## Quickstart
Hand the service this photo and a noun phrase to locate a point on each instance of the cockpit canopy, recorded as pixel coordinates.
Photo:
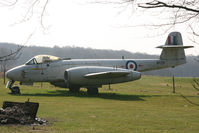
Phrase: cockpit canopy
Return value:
(39, 59)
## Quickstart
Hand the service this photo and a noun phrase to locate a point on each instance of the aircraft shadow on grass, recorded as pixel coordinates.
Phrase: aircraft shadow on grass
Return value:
(111, 96)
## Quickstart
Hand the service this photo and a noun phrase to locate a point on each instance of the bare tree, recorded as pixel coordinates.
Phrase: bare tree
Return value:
(171, 12)
(11, 55)
(7, 56)
(185, 11)
(178, 12)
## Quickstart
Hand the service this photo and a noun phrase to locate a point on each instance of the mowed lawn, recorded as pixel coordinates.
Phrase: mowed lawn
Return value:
(144, 106)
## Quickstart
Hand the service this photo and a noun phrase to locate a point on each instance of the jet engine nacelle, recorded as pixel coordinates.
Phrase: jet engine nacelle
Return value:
(98, 76)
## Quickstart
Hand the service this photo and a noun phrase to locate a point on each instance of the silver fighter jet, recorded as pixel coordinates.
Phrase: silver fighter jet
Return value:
(93, 73)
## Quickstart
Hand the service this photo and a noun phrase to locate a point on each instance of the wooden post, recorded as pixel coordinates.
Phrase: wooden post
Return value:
(174, 89)
(109, 86)
(4, 74)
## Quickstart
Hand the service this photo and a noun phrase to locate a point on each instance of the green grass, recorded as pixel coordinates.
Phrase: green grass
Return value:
(144, 106)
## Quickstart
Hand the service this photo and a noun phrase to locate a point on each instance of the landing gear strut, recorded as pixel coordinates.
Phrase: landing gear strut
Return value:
(14, 89)
(92, 91)
(74, 89)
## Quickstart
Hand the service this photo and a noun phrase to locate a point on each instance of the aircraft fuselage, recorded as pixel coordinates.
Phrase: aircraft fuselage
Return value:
(54, 71)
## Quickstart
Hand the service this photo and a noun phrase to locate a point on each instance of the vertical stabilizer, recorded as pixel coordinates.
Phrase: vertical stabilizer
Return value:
(173, 49)
(174, 38)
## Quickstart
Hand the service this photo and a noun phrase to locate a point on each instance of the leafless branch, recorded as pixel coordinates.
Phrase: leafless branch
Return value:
(29, 12)
(193, 31)
(8, 3)
(159, 4)
(16, 54)
(11, 55)
(195, 84)
(34, 6)
(189, 101)
(42, 14)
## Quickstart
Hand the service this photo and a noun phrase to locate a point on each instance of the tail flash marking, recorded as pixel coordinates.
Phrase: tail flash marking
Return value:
(169, 40)
(175, 40)
(172, 40)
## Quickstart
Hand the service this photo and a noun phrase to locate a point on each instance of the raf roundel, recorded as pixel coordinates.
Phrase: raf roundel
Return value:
(131, 65)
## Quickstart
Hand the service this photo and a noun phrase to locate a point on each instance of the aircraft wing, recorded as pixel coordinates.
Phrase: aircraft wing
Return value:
(107, 74)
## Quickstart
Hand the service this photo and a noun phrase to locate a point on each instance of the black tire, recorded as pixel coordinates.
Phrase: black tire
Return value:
(15, 90)
(74, 89)
(92, 91)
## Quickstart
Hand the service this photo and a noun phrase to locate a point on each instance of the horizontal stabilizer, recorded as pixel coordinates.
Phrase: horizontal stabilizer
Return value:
(174, 46)
(107, 74)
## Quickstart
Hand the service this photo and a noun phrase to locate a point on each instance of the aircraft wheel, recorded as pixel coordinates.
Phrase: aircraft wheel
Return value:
(74, 89)
(15, 90)
(92, 91)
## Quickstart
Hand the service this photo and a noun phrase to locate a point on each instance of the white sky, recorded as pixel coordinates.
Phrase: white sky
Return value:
(78, 23)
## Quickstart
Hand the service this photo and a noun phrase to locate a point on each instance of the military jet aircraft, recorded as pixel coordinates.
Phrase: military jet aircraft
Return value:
(93, 73)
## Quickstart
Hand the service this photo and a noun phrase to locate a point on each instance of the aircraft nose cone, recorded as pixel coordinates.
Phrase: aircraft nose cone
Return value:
(10, 74)
(14, 74)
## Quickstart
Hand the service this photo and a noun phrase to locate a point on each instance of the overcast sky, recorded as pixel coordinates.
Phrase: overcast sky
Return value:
(83, 24)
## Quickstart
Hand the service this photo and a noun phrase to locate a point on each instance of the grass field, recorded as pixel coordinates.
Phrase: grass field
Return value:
(144, 106)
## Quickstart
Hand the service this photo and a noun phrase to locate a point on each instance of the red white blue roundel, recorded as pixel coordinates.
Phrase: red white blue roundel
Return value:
(131, 65)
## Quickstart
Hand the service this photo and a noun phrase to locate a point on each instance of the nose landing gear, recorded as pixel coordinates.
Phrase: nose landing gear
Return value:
(14, 89)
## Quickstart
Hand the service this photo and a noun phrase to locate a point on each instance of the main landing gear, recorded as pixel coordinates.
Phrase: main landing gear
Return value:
(74, 89)
(14, 89)
(90, 90)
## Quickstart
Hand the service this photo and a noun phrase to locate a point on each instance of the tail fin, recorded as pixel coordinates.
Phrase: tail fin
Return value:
(173, 48)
